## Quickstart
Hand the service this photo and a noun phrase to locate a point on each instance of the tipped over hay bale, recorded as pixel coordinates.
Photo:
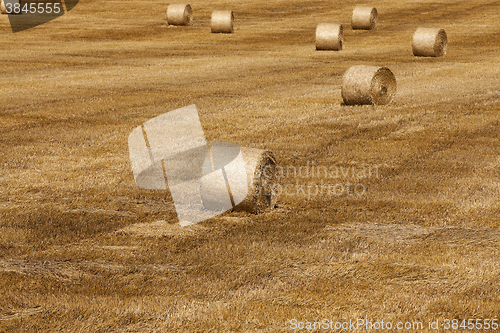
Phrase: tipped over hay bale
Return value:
(329, 36)
(364, 18)
(258, 178)
(368, 85)
(429, 42)
(261, 176)
(3, 7)
(222, 21)
(179, 14)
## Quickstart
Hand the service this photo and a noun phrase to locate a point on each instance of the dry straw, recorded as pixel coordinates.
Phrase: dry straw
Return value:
(329, 36)
(429, 42)
(222, 21)
(368, 85)
(3, 8)
(259, 178)
(179, 14)
(364, 18)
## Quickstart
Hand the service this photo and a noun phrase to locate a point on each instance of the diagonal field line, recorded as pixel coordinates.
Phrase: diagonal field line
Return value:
(64, 6)
(147, 144)
(228, 187)
(223, 174)
(151, 155)
(211, 157)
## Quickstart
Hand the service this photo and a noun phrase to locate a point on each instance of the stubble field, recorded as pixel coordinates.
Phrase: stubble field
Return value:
(83, 249)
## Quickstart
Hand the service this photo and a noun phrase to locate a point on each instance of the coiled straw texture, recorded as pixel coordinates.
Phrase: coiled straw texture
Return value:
(429, 42)
(179, 14)
(363, 85)
(259, 178)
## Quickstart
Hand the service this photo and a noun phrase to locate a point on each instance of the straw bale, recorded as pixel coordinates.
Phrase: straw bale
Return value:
(429, 42)
(258, 177)
(368, 85)
(222, 21)
(364, 18)
(179, 14)
(329, 36)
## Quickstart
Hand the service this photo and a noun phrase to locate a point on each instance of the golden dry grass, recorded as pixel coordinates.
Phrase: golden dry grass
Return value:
(84, 250)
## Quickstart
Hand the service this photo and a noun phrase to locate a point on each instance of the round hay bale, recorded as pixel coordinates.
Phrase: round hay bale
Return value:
(3, 7)
(364, 18)
(329, 36)
(363, 85)
(258, 179)
(222, 21)
(261, 177)
(179, 14)
(429, 42)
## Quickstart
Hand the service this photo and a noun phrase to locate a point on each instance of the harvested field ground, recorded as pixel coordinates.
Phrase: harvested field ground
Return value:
(83, 249)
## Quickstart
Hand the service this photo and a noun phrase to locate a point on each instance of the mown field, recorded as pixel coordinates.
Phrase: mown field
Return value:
(83, 249)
